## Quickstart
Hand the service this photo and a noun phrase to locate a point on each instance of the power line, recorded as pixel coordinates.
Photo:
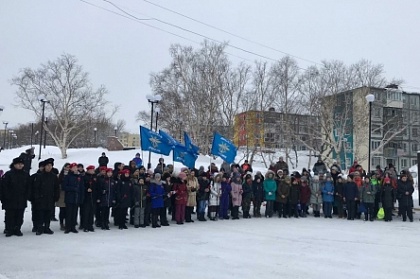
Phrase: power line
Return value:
(194, 33)
(138, 20)
(230, 33)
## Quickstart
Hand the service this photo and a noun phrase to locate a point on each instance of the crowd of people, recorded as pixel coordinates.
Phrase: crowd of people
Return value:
(134, 195)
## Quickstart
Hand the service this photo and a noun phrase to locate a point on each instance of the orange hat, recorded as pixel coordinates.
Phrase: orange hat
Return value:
(72, 165)
(90, 167)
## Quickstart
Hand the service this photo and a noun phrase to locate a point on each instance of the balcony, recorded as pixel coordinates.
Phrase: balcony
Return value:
(390, 152)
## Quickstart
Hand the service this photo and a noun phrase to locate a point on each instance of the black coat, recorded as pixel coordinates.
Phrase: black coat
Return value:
(403, 187)
(16, 189)
(45, 191)
(27, 161)
(294, 195)
(103, 161)
(90, 181)
(106, 192)
(124, 191)
(387, 196)
(339, 191)
(73, 186)
(204, 184)
(258, 190)
(140, 195)
(351, 192)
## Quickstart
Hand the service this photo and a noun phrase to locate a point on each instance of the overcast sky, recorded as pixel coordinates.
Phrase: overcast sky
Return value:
(121, 53)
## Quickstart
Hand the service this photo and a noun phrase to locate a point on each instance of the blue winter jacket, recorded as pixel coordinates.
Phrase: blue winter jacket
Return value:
(73, 186)
(138, 161)
(156, 192)
(328, 187)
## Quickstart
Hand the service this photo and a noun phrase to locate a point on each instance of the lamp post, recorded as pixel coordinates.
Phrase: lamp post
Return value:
(152, 100)
(157, 117)
(45, 132)
(95, 130)
(115, 131)
(32, 133)
(5, 133)
(43, 101)
(370, 98)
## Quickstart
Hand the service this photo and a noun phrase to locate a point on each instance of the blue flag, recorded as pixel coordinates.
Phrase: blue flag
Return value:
(153, 142)
(184, 156)
(168, 139)
(189, 145)
(223, 148)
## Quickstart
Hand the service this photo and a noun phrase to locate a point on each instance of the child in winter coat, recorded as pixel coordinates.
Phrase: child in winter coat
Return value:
(351, 195)
(215, 192)
(305, 195)
(338, 196)
(236, 196)
(328, 196)
(181, 197)
(106, 197)
(258, 191)
(140, 192)
(316, 196)
(282, 199)
(368, 198)
(270, 187)
(388, 198)
(226, 188)
(124, 198)
(247, 196)
(294, 197)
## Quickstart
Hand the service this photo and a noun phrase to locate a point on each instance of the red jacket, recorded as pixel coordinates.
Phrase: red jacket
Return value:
(305, 193)
(181, 195)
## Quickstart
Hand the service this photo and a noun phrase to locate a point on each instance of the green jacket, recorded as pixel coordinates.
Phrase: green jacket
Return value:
(368, 193)
(270, 187)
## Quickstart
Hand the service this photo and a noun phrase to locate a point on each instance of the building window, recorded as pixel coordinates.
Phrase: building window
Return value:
(403, 163)
(376, 130)
(376, 161)
(414, 132)
(375, 144)
(413, 162)
(414, 147)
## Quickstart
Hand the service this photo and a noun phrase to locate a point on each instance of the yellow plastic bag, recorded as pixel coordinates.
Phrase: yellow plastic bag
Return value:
(381, 213)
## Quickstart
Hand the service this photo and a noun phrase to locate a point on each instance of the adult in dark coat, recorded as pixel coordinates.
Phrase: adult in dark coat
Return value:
(73, 186)
(305, 195)
(124, 198)
(27, 157)
(89, 202)
(281, 165)
(247, 196)
(350, 196)
(33, 178)
(258, 191)
(103, 160)
(15, 194)
(319, 167)
(338, 196)
(405, 191)
(45, 192)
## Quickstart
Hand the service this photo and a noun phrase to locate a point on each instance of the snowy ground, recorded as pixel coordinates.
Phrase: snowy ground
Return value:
(255, 248)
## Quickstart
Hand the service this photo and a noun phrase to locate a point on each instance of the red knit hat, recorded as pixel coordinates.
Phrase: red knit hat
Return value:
(103, 168)
(72, 165)
(109, 169)
(90, 167)
(125, 171)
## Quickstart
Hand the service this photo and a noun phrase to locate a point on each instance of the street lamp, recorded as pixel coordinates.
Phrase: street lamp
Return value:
(32, 133)
(115, 131)
(5, 133)
(157, 117)
(370, 98)
(95, 130)
(10, 136)
(42, 99)
(152, 99)
(45, 132)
